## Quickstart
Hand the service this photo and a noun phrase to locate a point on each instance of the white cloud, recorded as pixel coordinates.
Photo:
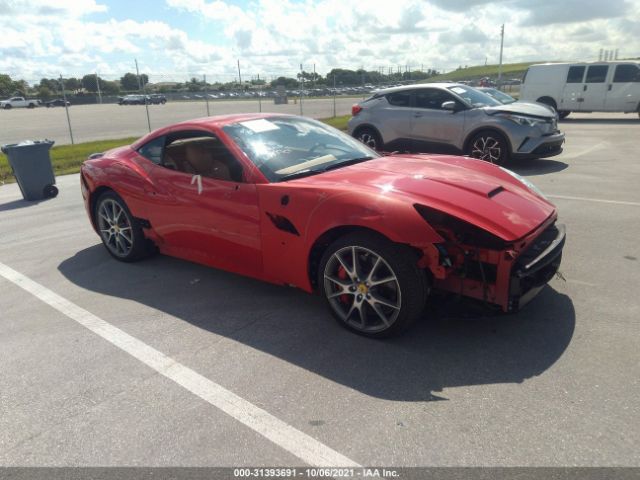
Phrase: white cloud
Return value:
(274, 37)
(39, 8)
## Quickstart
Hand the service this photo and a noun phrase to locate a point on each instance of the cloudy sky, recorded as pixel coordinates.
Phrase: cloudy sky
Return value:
(181, 38)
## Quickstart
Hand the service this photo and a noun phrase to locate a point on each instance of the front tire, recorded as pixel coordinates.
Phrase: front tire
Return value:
(121, 235)
(489, 146)
(369, 137)
(372, 286)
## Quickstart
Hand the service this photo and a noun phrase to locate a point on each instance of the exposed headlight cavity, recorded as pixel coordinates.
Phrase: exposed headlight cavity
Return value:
(524, 181)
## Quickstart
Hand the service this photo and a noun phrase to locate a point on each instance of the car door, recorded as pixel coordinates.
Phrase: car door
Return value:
(595, 88)
(624, 90)
(430, 123)
(573, 92)
(209, 220)
(394, 119)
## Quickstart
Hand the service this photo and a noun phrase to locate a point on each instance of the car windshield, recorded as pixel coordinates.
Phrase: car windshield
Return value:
(498, 95)
(474, 98)
(284, 148)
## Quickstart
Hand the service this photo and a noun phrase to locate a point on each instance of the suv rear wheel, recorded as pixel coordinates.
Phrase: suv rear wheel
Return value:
(369, 137)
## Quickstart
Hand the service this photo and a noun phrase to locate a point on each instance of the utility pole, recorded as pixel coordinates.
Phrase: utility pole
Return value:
(206, 93)
(301, 88)
(138, 74)
(239, 76)
(146, 100)
(66, 107)
(500, 62)
(98, 85)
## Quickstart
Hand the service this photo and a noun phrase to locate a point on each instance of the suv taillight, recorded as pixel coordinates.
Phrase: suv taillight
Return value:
(355, 110)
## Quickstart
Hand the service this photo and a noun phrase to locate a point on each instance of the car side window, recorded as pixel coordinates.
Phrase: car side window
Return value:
(627, 73)
(597, 73)
(431, 98)
(201, 153)
(399, 99)
(153, 149)
(576, 74)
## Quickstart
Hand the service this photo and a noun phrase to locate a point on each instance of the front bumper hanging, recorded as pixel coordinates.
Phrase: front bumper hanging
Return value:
(536, 266)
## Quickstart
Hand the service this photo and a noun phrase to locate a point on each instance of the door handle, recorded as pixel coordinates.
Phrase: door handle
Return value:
(417, 115)
(584, 88)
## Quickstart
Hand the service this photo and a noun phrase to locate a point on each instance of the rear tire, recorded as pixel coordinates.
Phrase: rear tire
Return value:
(489, 146)
(370, 137)
(121, 234)
(7, 106)
(372, 286)
(563, 114)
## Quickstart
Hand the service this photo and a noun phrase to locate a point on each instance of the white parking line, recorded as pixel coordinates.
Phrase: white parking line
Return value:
(572, 155)
(289, 438)
(597, 200)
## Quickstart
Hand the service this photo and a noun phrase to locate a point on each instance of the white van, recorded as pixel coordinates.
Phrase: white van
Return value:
(584, 87)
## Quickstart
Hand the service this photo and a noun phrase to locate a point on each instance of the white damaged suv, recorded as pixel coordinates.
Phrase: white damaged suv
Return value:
(455, 118)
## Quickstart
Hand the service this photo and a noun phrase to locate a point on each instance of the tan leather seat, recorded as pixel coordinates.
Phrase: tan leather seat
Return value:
(201, 157)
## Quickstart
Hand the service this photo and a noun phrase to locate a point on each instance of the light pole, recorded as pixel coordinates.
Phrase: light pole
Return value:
(500, 62)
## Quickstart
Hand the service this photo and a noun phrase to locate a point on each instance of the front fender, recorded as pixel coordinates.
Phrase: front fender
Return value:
(313, 212)
(393, 217)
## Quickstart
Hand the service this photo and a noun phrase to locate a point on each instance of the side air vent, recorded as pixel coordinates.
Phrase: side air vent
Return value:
(283, 223)
(495, 191)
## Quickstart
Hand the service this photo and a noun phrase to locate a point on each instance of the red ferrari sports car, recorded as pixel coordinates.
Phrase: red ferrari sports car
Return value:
(292, 201)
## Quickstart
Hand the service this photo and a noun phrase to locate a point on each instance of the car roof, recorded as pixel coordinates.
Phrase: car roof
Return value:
(222, 120)
(209, 123)
(417, 86)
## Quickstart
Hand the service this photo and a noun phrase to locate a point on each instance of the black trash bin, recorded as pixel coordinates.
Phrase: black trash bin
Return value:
(31, 165)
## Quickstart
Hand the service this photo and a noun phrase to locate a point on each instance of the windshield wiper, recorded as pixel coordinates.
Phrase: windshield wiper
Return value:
(353, 161)
(300, 174)
(308, 171)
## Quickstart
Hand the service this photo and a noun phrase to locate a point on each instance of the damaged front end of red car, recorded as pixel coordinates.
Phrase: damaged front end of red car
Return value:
(478, 264)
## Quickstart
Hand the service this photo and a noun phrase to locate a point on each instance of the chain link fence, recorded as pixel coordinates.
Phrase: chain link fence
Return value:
(100, 107)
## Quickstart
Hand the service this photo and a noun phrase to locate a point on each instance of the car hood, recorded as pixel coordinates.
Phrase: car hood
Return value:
(522, 108)
(472, 190)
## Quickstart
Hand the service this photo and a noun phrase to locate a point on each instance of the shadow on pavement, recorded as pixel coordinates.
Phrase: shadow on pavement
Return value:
(457, 344)
(15, 204)
(537, 166)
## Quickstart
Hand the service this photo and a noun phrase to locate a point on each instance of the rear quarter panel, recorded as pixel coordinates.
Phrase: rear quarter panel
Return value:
(117, 170)
(544, 81)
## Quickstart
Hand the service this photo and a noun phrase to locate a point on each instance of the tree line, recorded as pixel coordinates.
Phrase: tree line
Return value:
(130, 82)
(52, 87)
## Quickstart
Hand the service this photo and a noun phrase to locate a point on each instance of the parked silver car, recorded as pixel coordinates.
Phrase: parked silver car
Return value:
(455, 118)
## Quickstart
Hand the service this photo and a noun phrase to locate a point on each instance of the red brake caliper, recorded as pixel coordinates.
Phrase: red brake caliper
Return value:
(342, 275)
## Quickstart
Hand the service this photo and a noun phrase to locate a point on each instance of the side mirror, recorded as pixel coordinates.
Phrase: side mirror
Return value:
(449, 105)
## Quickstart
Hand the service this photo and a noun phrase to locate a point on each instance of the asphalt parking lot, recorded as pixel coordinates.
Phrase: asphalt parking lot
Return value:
(554, 385)
(109, 121)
